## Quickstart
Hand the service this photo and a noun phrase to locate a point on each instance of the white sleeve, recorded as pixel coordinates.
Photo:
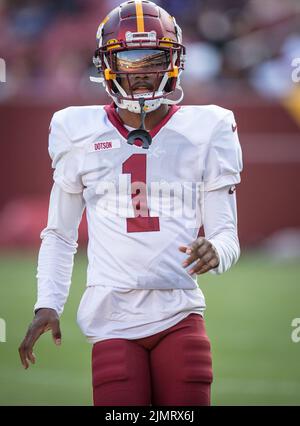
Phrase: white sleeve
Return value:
(220, 226)
(224, 158)
(66, 158)
(59, 244)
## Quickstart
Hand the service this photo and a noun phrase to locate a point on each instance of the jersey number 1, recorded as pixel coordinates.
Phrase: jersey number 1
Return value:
(135, 165)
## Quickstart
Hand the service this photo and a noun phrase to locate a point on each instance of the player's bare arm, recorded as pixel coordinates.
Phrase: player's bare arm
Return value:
(203, 253)
(45, 319)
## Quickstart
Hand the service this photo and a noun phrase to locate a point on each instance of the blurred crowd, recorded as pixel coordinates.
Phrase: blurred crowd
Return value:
(48, 45)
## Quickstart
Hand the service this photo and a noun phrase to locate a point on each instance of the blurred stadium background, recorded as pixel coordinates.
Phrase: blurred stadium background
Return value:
(239, 56)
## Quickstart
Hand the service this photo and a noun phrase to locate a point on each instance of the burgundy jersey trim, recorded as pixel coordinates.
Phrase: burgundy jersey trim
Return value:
(116, 121)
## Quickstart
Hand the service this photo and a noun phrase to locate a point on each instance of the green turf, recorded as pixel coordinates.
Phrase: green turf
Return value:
(249, 315)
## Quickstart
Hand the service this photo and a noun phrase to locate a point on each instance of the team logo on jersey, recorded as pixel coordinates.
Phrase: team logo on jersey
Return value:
(104, 145)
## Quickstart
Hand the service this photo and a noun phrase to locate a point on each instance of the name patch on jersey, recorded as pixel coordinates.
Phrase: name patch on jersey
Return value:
(104, 145)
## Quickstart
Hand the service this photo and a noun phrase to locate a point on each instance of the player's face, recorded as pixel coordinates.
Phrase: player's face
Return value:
(145, 68)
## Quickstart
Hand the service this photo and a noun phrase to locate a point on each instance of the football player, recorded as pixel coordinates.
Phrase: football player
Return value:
(149, 174)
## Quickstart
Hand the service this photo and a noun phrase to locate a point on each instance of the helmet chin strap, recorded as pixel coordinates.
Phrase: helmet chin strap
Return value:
(150, 104)
(134, 106)
(141, 133)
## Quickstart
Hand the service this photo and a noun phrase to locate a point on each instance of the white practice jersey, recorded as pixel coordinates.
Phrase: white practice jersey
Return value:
(142, 204)
(136, 285)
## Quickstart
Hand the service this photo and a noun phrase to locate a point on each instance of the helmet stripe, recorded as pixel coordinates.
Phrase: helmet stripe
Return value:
(105, 20)
(139, 16)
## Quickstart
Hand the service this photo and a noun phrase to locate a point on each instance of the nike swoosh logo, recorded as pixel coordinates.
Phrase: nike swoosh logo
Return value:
(233, 128)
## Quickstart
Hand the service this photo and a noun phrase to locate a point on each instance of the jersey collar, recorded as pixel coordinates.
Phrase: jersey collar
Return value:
(116, 121)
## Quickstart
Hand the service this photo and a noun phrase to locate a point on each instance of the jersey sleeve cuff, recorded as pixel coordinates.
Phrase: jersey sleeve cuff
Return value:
(222, 181)
(47, 305)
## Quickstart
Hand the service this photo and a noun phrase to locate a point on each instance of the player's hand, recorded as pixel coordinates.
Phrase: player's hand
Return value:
(45, 319)
(202, 254)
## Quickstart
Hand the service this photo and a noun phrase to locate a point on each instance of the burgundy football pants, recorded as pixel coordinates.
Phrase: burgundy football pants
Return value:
(172, 367)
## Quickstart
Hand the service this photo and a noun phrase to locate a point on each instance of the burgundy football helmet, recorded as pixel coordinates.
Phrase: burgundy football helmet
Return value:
(140, 38)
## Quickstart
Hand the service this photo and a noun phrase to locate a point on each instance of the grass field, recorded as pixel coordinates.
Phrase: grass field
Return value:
(248, 317)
